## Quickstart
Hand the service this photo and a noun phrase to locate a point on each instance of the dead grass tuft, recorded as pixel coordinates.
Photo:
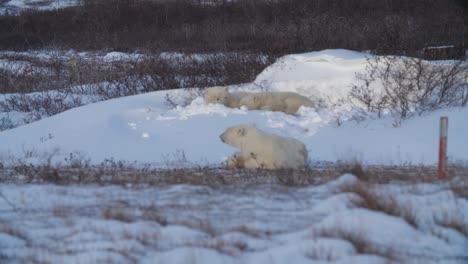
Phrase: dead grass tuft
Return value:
(453, 221)
(118, 213)
(460, 186)
(148, 239)
(353, 167)
(153, 213)
(368, 197)
(201, 225)
(244, 229)
(321, 253)
(361, 243)
(5, 228)
(61, 211)
(231, 248)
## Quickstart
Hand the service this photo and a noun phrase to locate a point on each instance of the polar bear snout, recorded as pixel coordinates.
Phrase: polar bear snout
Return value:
(222, 137)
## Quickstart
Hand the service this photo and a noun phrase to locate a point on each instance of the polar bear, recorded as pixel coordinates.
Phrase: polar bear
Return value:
(243, 160)
(262, 150)
(287, 102)
(221, 95)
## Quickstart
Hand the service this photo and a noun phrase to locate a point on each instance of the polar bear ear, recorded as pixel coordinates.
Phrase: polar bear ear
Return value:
(241, 132)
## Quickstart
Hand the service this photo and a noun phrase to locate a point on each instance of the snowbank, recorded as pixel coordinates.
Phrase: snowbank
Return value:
(145, 128)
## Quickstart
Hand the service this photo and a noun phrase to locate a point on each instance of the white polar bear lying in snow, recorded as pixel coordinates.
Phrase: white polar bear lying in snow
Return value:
(287, 102)
(262, 150)
(221, 95)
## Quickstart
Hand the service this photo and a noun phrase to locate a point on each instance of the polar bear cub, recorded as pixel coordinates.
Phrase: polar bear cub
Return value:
(287, 102)
(259, 149)
(221, 95)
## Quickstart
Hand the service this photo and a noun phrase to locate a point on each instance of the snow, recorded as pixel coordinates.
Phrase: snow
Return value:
(253, 224)
(14, 6)
(145, 128)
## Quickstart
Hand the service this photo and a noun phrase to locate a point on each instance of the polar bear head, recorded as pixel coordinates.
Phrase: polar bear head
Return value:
(237, 136)
(217, 95)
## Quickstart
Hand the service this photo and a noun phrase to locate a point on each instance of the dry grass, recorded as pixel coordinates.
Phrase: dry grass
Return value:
(231, 248)
(7, 229)
(368, 197)
(244, 229)
(228, 248)
(199, 224)
(453, 221)
(150, 238)
(321, 253)
(460, 186)
(78, 170)
(353, 167)
(61, 211)
(404, 173)
(118, 213)
(153, 213)
(360, 242)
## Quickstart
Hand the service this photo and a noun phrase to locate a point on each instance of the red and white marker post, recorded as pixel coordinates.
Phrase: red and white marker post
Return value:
(443, 148)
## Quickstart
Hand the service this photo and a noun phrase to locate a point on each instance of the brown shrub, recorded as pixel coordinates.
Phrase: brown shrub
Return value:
(282, 26)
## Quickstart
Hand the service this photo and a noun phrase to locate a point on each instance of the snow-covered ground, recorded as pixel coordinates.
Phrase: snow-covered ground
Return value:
(145, 128)
(14, 6)
(230, 224)
(337, 221)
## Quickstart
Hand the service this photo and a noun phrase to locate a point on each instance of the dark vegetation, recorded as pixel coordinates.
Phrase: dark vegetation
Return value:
(411, 85)
(145, 73)
(77, 169)
(268, 26)
(48, 86)
(241, 37)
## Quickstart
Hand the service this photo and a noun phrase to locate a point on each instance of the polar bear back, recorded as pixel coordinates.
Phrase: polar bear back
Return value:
(287, 102)
(270, 151)
(278, 152)
(235, 98)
